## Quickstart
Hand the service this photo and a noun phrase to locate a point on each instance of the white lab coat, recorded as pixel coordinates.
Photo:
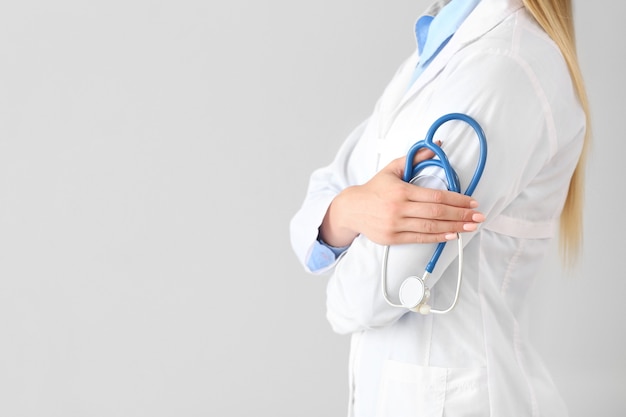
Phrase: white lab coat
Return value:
(504, 71)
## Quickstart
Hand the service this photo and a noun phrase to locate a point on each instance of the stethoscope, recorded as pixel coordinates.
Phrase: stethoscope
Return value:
(414, 294)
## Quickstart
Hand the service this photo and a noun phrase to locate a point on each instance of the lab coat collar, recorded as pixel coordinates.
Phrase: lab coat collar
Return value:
(486, 15)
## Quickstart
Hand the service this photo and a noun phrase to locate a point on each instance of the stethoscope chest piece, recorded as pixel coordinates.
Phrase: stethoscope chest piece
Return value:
(413, 293)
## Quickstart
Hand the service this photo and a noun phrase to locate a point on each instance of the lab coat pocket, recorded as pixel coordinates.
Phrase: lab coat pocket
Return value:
(409, 390)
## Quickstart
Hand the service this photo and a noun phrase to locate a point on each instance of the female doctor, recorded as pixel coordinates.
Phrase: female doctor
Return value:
(510, 65)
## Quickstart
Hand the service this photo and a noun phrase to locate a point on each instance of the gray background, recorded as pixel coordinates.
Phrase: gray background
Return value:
(151, 156)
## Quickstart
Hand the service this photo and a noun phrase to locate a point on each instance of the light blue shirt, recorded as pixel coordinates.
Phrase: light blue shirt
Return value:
(432, 34)
(323, 255)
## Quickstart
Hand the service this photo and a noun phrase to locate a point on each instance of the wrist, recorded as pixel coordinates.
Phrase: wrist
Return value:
(336, 229)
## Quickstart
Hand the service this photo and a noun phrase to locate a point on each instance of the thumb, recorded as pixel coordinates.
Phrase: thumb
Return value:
(397, 165)
(425, 153)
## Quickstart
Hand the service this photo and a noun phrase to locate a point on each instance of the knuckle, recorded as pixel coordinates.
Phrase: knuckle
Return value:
(437, 196)
(400, 192)
(436, 211)
(393, 208)
(430, 226)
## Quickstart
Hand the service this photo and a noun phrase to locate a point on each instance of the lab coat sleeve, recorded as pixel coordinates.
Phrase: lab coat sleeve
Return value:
(324, 184)
(509, 100)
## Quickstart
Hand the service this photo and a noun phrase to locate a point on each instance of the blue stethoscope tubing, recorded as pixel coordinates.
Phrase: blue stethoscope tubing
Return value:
(414, 283)
(410, 170)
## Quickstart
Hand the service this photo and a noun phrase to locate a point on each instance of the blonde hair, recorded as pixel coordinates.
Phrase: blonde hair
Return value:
(556, 18)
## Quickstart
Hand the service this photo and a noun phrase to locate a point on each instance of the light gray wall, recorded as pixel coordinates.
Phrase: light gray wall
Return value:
(151, 156)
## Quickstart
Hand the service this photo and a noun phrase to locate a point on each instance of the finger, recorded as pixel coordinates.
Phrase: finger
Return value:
(430, 195)
(434, 211)
(398, 164)
(434, 227)
(423, 154)
(409, 237)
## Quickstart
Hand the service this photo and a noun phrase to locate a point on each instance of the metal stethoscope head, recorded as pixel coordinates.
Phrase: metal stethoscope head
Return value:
(414, 294)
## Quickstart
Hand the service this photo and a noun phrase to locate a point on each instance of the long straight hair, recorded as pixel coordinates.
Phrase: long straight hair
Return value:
(556, 18)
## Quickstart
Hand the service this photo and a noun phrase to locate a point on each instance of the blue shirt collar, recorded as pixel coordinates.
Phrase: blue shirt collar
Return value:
(433, 33)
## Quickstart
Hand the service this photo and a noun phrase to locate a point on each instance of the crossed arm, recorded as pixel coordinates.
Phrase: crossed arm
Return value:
(389, 211)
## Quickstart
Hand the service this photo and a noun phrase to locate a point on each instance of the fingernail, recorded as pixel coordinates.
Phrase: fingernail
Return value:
(473, 204)
(470, 227)
(478, 217)
(451, 236)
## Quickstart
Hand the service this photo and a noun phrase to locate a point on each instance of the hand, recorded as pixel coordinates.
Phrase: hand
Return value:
(389, 211)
